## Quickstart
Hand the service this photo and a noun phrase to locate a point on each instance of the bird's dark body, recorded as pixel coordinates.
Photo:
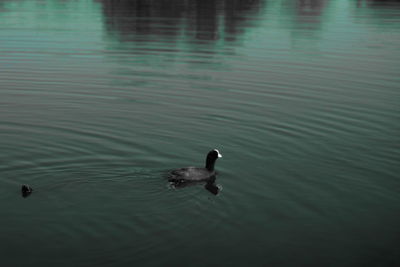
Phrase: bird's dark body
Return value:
(191, 174)
(196, 174)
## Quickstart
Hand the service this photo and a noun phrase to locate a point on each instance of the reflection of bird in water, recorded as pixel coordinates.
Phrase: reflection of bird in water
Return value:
(26, 190)
(194, 175)
(209, 184)
(212, 187)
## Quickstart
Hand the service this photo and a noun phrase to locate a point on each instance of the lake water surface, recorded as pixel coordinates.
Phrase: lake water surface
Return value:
(99, 99)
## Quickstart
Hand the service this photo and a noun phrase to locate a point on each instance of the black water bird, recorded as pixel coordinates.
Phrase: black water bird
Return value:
(196, 174)
(26, 190)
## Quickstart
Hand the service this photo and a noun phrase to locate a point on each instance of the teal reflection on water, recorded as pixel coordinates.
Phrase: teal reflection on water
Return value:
(99, 99)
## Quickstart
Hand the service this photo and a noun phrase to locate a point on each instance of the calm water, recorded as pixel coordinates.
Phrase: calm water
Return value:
(99, 99)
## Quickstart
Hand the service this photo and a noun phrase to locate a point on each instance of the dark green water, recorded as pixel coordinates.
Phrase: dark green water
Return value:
(99, 99)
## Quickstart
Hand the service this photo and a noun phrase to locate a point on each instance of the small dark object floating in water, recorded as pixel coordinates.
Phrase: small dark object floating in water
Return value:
(26, 190)
(194, 175)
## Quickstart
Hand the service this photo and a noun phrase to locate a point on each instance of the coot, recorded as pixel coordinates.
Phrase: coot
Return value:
(195, 174)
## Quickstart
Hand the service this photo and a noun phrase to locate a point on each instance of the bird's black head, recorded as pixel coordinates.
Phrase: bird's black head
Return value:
(211, 158)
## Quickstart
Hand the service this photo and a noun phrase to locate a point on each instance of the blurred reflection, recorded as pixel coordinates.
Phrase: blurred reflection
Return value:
(207, 20)
(384, 13)
(237, 16)
(372, 3)
(310, 7)
(382, 2)
(209, 185)
(212, 187)
(307, 11)
(304, 19)
(2, 3)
